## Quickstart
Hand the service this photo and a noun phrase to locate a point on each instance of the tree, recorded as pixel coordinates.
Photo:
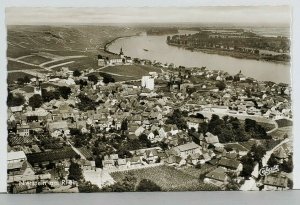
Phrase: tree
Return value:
(88, 187)
(49, 95)
(124, 125)
(220, 85)
(64, 91)
(98, 162)
(287, 166)
(272, 161)
(76, 73)
(26, 79)
(203, 127)
(126, 185)
(107, 78)
(35, 101)
(15, 100)
(147, 185)
(93, 78)
(177, 119)
(258, 151)
(22, 81)
(144, 140)
(75, 172)
(247, 171)
(86, 103)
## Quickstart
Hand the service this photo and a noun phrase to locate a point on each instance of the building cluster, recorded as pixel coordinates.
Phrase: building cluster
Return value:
(42, 145)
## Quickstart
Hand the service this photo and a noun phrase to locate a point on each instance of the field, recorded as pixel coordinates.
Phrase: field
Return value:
(14, 76)
(248, 144)
(77, 63)
(267, 126)
(86, 152)
(205, 168)
(12, 65)
(16, 51)
(37, 60)
(284, 123)
(281, 132)
(131, 70)
(25, 40)
(168, 178)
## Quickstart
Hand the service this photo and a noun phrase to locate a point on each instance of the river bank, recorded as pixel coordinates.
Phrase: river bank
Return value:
(115, 39)
(233, 54)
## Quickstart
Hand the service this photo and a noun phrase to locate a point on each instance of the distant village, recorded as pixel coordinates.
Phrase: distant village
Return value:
(72, 130)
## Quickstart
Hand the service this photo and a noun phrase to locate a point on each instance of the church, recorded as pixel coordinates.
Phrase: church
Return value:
(114, 59)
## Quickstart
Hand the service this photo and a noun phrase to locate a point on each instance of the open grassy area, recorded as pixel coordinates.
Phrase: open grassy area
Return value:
(131, 70)
(77, 63)
(248, 144)
(192, 171)
(14, 76)
(284, 123)
(16, 51)
(168, 178)
(12, 65)
(37, 60)
(281, 132)
(267, 126)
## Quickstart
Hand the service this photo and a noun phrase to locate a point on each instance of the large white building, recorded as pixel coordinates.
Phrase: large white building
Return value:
(148, 82)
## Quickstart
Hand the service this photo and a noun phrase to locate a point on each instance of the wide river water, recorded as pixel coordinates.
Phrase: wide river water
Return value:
(160, 51)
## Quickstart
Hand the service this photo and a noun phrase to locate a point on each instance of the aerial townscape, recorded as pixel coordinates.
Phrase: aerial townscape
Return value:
(85, 118)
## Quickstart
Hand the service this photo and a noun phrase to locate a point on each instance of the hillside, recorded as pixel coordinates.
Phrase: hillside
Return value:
(47, 47)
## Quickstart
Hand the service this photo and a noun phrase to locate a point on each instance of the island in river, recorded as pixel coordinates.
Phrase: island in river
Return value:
(235, 43)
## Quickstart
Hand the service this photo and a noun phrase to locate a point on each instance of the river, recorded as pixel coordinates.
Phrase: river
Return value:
(160, 51)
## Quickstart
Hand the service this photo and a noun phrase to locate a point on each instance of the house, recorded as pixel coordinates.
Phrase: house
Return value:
(139, 131)
(216, 177)
(173, 160)
(108, 164)
(231, 165)
(280, 154)
(195, 158)
(187, 149)
(23, 130)
(194, 123)
(237, 148)
(151, 156)
(56, 156)
(122, 163)
(276, 181)
(16, 157)
(135, 162)
(213, 140)
(19, 171)
(60, 125)
(86, 165)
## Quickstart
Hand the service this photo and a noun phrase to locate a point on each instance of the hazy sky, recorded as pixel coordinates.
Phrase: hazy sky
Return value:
(238, 14)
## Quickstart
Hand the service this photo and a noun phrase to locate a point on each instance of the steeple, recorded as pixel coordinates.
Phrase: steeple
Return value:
(37, 87)
(121, 51)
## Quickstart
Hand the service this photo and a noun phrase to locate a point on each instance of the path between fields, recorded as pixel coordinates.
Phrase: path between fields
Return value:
(274, 129)
(60, 58)
(61, 64)
(42, 65)
(76, 150)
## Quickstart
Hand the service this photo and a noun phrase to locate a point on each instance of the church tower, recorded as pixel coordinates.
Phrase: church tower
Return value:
(37, 86)
(121, 53)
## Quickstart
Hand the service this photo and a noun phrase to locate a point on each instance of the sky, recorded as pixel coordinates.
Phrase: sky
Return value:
(212, 14)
